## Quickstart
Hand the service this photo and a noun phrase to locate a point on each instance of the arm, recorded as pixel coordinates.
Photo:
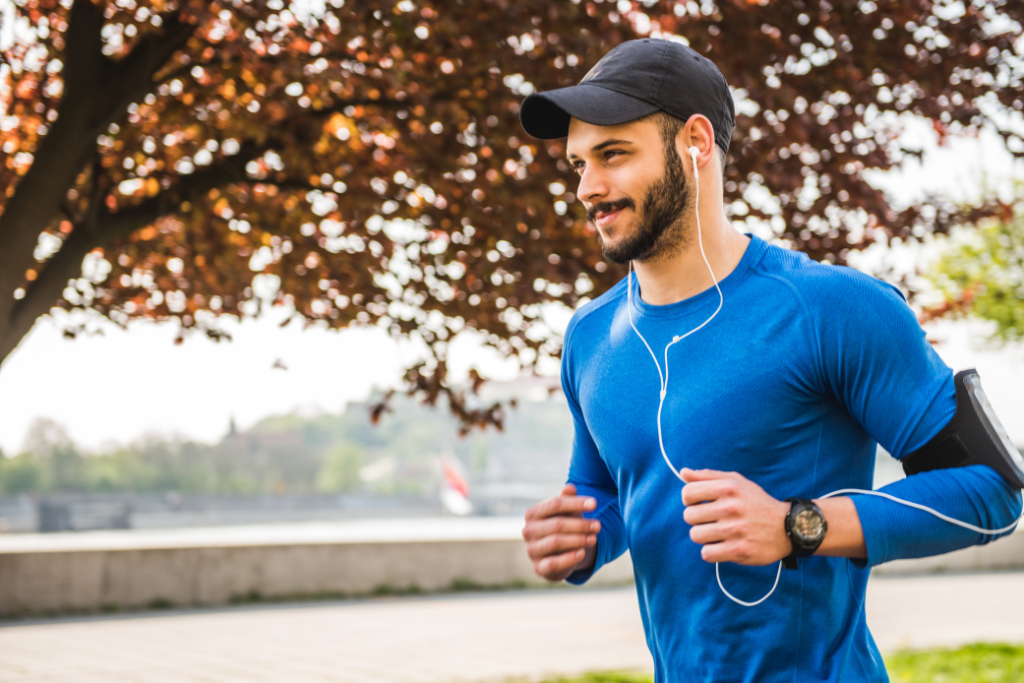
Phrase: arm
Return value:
(874, 359)
(611, 537)
(573, 549)
(589, 477)
(975, 494)
(736, 521)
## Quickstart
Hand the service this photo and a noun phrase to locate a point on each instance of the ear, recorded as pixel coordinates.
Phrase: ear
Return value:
(700, 134)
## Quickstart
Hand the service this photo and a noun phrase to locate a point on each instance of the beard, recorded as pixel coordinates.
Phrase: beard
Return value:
(659, 228)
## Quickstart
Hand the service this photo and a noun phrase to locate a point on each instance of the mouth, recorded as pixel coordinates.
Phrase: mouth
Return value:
(605, 218)
(603, 214)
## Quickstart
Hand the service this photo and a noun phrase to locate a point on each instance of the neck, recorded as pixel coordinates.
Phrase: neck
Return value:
(683, 273)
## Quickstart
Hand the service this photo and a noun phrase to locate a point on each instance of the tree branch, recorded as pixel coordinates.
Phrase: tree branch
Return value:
(132, 76)
(62, 152)
(181, 71)
(99, 191)
(97, 91)
(339, 107)
(185, 68)
(271, 59)
(83, 49)
(107, 226)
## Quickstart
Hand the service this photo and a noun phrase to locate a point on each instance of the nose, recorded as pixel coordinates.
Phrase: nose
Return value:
(593, 187)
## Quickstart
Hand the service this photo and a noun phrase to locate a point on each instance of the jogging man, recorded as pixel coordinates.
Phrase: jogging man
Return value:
(725, 387)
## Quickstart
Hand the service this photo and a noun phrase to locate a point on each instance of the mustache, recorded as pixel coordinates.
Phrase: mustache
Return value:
(608, 207)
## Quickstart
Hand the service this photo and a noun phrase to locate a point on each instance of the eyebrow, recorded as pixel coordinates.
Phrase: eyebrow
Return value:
(602, 145)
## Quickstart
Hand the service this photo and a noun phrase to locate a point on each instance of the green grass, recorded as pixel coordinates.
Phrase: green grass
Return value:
(978, 663)
(607, 677)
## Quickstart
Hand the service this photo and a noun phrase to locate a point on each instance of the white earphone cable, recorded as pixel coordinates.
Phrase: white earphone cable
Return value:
(663, 376)
(663, 379)
(925, 508)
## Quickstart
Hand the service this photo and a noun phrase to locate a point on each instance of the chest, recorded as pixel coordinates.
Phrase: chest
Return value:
(740, 396)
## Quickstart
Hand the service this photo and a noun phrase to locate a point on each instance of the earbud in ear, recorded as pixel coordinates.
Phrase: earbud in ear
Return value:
(693, 157)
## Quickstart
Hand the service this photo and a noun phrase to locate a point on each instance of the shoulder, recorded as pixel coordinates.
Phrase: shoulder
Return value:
(823, 288)
(596, 312)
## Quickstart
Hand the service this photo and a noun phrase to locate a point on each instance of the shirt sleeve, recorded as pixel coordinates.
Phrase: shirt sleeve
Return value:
(876, 361)
(589, 473)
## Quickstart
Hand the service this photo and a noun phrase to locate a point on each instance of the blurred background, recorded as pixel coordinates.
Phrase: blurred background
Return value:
(286, 281)
(296, 467)
(307, 463)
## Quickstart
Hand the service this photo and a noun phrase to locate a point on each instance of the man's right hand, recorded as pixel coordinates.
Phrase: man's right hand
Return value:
(558, 540)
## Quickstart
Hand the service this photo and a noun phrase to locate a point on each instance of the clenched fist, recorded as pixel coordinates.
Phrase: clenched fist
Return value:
(734, 519)
(558, 540)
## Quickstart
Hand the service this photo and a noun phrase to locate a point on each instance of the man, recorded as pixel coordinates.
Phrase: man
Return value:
(795, 372)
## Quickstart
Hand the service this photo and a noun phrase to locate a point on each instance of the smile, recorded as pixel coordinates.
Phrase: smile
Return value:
(604, 219)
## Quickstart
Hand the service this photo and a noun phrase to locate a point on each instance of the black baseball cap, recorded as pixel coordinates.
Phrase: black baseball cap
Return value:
(636, 78)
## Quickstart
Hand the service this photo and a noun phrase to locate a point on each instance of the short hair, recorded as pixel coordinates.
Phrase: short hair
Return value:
(669, 127)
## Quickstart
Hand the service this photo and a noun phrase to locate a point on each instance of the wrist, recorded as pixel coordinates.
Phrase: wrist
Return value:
(845, 537)
(588, 561)
(784, 547)
(806, 528)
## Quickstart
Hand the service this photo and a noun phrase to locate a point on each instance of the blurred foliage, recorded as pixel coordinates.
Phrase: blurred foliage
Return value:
(361, 163)
(978, 663)
(981, 273)
(51, 462)
(23, 474)
(340, 471)
(300, 455)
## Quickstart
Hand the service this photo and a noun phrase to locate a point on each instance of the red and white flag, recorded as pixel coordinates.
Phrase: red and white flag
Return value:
(454, 489)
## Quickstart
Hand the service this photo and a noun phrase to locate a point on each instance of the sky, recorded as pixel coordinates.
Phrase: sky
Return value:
(116, 387)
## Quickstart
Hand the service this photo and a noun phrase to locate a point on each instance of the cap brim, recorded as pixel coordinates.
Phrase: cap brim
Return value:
(546, 115)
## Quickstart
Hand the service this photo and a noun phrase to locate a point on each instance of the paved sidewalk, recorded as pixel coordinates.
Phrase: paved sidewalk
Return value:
(946, 610)
(463, 638)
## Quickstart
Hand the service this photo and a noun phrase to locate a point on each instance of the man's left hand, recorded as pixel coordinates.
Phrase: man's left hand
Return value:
(734, 519)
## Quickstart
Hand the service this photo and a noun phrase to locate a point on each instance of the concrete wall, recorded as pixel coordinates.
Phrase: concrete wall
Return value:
(1003, 554)
(91, 580)
(76, 576)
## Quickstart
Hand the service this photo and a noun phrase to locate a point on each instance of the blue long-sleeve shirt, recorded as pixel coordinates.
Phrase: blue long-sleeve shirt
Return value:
(803, 372)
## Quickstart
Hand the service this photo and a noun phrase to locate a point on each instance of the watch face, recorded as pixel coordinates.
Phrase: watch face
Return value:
(808, 525)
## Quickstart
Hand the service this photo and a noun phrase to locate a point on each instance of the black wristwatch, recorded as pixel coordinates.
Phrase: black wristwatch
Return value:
(806, 527)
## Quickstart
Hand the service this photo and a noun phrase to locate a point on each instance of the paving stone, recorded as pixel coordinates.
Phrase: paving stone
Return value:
(450, 639)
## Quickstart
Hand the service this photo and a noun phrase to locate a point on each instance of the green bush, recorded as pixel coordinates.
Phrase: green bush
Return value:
(981, 273)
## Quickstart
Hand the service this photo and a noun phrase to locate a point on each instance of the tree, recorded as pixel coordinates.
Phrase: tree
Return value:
(340, 471)
(980, 273)
(54, 448)
(362, 163)
(21, 474)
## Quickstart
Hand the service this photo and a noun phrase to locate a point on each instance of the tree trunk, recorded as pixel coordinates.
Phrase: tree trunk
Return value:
(97, 92)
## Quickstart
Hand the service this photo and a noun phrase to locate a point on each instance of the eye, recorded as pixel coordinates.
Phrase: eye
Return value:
(612, 153)
(577, 166)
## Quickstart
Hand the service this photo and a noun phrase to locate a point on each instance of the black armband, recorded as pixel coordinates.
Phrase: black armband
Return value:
(973, 437)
